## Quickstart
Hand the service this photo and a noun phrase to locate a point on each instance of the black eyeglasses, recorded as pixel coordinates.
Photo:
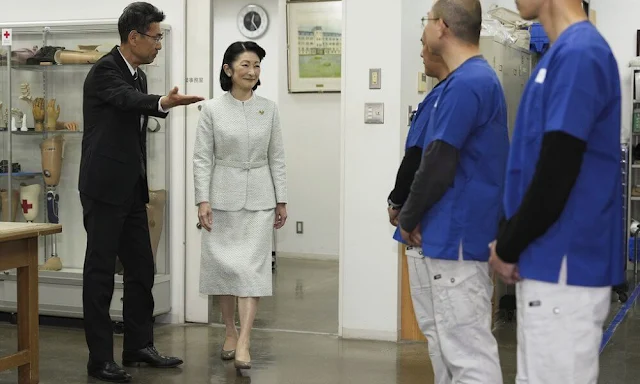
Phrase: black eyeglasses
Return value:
(425, 19)
(157, 38)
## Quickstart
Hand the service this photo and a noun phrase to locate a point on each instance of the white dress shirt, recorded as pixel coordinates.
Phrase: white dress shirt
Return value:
(134, 73)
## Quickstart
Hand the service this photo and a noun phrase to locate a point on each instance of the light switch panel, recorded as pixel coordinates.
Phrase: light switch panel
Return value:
(422, 82)
(374, 113)
(375, 78)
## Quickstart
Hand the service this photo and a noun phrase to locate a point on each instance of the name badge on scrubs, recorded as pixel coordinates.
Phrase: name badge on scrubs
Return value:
(542, 74)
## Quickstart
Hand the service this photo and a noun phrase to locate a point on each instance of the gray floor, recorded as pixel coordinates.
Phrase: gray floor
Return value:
(294, 357)
(305, 298)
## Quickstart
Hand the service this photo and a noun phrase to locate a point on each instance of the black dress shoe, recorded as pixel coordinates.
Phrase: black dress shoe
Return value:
(108, 371)
(150, 357)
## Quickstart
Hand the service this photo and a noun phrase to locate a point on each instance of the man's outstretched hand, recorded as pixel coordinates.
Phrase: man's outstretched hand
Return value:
(174, 99)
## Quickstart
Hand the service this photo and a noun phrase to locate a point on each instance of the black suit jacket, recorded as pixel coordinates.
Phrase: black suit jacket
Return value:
(113, 138)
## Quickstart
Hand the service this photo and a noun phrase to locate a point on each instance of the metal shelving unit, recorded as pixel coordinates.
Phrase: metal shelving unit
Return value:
(61, 290)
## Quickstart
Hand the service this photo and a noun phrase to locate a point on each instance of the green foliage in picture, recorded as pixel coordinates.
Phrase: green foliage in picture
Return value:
(318, 66)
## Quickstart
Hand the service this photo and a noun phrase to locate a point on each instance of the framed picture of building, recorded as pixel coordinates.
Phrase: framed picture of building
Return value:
(314, 37)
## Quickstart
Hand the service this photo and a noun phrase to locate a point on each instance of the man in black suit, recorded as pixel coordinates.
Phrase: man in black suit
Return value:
(113, 191)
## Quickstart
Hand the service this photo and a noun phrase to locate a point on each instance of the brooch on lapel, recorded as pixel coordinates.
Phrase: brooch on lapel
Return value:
(261, 112)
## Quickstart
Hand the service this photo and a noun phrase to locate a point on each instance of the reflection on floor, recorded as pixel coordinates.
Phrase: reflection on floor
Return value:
(297, 358)
(278, 358)
(305, 298)
(293, 358)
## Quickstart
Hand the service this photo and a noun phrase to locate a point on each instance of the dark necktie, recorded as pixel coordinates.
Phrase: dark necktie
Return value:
(136, 82)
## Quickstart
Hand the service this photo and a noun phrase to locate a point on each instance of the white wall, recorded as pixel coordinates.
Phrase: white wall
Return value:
(311, 134)
(38, 10)
(311, 124)
(199, 36)
(225, 32)
(369, 256)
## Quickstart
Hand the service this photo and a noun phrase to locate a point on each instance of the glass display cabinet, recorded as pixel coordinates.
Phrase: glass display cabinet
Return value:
(42, 74)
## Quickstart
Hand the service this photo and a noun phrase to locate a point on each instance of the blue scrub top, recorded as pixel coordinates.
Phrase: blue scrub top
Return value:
(418, 129)
(575, 88)
(471, 115)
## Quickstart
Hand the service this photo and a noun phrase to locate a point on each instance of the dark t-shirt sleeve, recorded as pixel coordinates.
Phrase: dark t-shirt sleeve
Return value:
(435, 175)
(404, 178)
(555, 175)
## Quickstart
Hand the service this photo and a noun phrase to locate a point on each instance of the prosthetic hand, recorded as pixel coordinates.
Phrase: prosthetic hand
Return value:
(19, 118)
(26, 93)
(62, 126)
(52, 115)
(30, 201)
(38, 113)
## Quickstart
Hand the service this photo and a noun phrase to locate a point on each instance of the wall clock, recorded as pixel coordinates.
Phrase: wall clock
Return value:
(253, 21)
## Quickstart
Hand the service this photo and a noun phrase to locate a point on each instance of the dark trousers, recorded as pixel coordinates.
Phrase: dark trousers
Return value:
(121, 231)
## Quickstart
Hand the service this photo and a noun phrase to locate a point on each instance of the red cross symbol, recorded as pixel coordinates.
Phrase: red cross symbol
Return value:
(6, 34)
(26, 206)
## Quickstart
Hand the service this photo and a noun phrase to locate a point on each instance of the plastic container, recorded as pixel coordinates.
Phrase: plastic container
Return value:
(539, 40)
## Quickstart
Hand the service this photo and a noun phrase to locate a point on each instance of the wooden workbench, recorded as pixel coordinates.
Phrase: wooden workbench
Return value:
(19, 249)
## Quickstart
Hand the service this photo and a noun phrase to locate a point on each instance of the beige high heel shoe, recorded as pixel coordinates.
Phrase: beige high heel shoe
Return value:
(228, 355)
(242, 364)
(239, 364)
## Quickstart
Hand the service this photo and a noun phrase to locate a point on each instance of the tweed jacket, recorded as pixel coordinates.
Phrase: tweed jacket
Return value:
(238, 160)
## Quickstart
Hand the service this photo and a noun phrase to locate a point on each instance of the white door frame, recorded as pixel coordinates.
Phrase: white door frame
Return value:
(198, 65)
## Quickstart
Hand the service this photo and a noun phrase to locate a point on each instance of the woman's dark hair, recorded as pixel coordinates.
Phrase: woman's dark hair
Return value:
(138, 17)
(232, 53)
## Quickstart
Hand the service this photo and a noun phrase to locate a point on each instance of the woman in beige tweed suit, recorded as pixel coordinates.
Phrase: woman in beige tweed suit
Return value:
(241, 193)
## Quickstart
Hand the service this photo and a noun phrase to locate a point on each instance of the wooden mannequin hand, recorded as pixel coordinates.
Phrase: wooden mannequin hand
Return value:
(38, 113)
(52, 114)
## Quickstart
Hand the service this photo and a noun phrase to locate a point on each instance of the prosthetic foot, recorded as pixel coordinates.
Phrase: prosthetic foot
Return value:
(52, 264)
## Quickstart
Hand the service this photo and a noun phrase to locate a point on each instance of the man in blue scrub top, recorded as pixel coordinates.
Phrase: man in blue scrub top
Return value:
(434, 67)
(562, 239)
(454, 205)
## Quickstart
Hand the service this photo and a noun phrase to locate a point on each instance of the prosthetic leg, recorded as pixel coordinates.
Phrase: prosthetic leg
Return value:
(30, 201)
(155, 219)
(4, 118)
(9, 214)
(52, 150)
(155, 216)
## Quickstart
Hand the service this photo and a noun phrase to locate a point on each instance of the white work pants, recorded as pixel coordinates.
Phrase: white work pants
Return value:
(559, 331)
(452, 303)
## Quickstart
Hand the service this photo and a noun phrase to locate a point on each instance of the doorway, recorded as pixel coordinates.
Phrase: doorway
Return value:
(305, 251)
